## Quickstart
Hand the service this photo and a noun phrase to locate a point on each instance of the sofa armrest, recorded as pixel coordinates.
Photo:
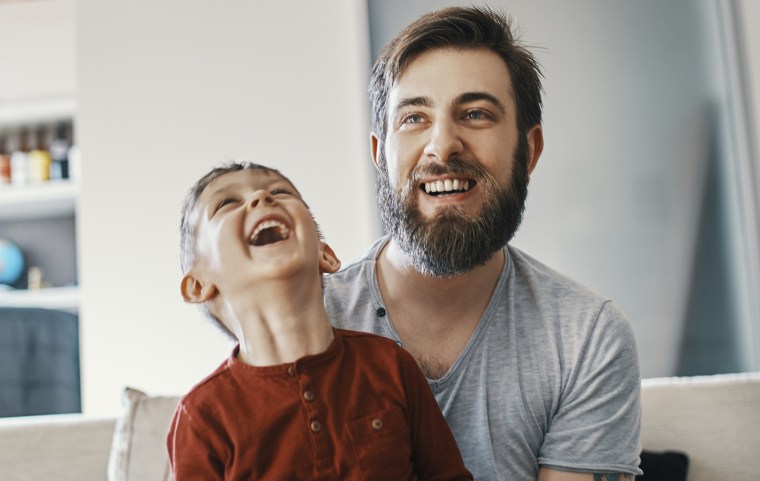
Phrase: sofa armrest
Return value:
(64, 447)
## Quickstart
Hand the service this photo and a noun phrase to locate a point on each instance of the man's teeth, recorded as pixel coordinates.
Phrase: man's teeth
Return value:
(280, 231)
(448, 185)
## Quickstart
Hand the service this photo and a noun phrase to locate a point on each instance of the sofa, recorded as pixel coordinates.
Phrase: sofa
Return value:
(713, 420)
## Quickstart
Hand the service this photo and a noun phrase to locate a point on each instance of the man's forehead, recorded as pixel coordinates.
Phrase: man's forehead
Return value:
(450, 72)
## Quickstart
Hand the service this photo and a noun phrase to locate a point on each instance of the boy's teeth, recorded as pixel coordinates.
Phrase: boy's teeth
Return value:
(279, 232)
(448, 185)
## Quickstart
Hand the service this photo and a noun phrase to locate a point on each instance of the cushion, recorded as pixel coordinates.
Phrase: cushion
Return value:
(663, 466)
(138, 450)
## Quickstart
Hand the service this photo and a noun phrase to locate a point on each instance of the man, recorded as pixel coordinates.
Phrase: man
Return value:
(537, 376)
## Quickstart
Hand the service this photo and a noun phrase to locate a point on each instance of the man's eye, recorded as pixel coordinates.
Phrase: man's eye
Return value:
(476, 115)
(412, 119)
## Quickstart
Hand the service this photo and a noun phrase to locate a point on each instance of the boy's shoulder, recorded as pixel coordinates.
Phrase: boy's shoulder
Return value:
(208, 388)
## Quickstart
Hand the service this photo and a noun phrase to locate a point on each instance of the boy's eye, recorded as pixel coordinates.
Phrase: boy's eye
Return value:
(224, 202)
(281, 191)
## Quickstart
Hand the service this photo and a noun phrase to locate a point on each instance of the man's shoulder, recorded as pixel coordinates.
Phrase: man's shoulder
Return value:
(530, 273)
(363, 265)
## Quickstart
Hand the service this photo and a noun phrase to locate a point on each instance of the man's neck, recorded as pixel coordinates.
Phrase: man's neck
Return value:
(434, 317)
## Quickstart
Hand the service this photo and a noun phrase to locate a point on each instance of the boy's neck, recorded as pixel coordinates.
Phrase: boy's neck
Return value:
(280, 324)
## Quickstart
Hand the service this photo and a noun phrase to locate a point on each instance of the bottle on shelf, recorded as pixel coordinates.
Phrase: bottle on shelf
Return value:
(5, 161)
(38, 159)
(59, 151)
(19, 159)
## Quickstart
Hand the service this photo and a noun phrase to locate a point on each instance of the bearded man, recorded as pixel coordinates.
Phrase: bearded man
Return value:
(537, 376)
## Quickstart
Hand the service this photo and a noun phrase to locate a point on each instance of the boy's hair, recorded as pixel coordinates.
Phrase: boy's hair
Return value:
(464, 28)
(187, 224)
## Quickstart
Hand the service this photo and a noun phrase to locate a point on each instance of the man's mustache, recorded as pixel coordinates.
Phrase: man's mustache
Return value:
(453, 166)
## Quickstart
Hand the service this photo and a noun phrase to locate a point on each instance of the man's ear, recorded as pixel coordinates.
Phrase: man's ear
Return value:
(374, 146)
(535, 138)
(328, 261)
(196, 291)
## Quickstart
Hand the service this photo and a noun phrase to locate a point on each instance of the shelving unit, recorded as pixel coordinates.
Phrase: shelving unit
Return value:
(40, 202)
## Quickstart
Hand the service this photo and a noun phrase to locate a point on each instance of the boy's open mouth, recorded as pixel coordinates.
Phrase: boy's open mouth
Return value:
(269, 232)
(448, 186)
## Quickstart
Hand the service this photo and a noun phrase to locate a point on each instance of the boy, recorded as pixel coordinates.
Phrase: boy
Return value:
(297, 399)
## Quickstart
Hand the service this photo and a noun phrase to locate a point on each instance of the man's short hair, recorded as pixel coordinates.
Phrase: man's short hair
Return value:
(464, 28)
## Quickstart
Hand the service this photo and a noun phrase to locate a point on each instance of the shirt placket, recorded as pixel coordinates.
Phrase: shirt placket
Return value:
(315, 411)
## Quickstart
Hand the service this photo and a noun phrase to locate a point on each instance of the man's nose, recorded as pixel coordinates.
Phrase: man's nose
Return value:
(445, 141)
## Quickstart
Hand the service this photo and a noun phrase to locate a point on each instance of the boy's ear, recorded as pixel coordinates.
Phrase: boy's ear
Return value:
(196, 291)
(328, 261)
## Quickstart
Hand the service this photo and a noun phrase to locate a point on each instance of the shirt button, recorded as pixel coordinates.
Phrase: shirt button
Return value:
(377, 424)
(291, 371)
(308, 395)
(316, 426)
(380, 312)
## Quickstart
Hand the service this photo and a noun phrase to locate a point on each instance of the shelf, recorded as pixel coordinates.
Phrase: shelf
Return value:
(38, 201)
(48, 109)
(61, 298)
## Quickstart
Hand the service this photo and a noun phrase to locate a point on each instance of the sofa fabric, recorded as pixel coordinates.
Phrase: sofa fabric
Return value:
(63, 447)
(138, 449)
(714, 420)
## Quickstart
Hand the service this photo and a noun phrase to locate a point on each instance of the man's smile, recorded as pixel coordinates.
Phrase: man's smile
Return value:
(447, 186)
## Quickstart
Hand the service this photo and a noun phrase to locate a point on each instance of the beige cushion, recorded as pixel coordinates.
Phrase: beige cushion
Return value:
(138, 451)
(63, 447)
(715, 420)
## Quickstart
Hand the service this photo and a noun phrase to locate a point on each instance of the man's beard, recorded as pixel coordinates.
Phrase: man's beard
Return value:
(453, 242)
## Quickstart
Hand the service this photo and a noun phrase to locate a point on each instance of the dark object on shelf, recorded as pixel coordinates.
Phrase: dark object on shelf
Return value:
(39, 362)
(665, 466)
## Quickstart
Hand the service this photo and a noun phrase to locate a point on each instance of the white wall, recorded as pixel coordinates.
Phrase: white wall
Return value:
(168, 89)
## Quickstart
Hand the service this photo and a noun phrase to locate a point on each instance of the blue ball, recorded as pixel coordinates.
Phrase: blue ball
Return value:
(11, 262)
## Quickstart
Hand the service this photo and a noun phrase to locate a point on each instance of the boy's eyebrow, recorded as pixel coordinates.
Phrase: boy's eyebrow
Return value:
(469, 97)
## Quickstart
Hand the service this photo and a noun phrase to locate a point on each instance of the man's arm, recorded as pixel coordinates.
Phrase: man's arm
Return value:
(548, 474)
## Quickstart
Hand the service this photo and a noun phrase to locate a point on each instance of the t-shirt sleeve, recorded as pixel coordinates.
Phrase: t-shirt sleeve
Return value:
(191, 451)
(434, 450)
(597, 423)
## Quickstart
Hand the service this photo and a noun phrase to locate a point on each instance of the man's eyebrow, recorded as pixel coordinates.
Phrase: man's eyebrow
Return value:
(468, 97)
(413, 102)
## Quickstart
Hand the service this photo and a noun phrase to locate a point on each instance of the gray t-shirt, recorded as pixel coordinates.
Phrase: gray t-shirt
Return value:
(549, 377)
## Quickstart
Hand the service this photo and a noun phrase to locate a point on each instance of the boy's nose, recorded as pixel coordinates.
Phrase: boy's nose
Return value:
(260, 196)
